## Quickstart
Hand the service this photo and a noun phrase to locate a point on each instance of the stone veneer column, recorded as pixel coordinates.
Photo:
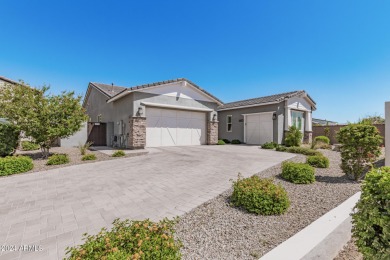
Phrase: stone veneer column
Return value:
(308, 137)
(212, 132)
(137, 138)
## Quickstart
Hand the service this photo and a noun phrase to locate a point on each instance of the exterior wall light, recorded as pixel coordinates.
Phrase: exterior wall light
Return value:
(140, 111)
(274, 116)
(214, 117)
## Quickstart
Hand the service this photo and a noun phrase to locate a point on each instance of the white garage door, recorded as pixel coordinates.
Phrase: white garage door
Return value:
(169, 127)
(259, 128)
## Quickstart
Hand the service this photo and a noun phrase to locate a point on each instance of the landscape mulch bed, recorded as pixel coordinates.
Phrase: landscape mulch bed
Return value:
(215, 230)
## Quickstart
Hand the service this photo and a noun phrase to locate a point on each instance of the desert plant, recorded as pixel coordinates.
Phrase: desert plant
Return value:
(327, 132)
(29, 146)
(293, 137)
(281, 148)
(303, 150)
(130, 240)
(221, 142)
(298, 173)
(318, 161)
(57, 159)
(322, 139)
(236, 141)
(360, 148)
(270, 145)
(84, 147)
(226, 141)
(118, 153)
(15, 164)
(88, 157)
(260, 196)
(9, 138)
(372, 215)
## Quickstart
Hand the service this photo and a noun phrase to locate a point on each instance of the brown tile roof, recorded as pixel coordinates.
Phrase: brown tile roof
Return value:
(8, 80)
(109, 90)
(264, 100)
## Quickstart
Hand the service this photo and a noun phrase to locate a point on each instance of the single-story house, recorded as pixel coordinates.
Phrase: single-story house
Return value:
(178, 112)
(167, 113)
(266, 119)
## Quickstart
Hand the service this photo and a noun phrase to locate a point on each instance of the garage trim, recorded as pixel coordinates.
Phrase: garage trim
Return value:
(176, 107)
(245, 115)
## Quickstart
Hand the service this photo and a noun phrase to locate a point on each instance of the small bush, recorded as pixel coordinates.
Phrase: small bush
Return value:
(372, 215)
(270, 145)
(360, 148)
(9, 138)
(260, 196)
(293, 137)
(130, 240)
(281, 148)
(304, 151)
(89, 157)
(29, 146)
(15, 164)
(236, 141)
(298, 173)
(226, 141)
(221, 142)
(318, 161)
(322, 139)
(58, 159)
(84, 147)
(118, 153)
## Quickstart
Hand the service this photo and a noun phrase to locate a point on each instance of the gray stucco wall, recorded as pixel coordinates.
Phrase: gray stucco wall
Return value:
(238, 127)
(77, 138)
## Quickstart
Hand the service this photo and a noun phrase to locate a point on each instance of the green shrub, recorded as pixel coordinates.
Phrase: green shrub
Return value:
(236, 141)
(130, 240)
(118, 153)
(15, 164)
(259, 196)
(221, 142)
(318, 161)
(29, 146)
(9, 138)
(360, 148)
(298, 173)
(84, 147)
(281, 148)
(303, 150)
(293, 137)
(322, 139)
(57, 159)
(226, 141)
(270, 145)
(371, 220)
(88, 157)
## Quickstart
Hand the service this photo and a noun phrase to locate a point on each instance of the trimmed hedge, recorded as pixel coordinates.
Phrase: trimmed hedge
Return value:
(298, 173)
(15, 164)
(322, 139)
(221, 142)
(118, 153)
(371, 220)
(58, 159)
(270, 145)
(9, 138)
(302, 150)
(236, 141)
(29, 146)
(226, 141)
(281, 148)
(260, 196)
(88, 157)
(318, 161)
(130, 240)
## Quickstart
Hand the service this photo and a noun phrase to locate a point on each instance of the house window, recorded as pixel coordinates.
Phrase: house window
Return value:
(229, 123)
(297, 119)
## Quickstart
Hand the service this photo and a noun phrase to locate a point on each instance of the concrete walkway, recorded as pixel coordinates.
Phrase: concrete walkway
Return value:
(52, 209)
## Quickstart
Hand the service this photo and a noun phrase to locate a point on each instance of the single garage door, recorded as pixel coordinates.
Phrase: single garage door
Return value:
(259, 128)
(169, 127)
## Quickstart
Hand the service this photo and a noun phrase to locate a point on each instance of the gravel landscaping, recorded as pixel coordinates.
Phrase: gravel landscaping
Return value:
(215, 230)
(74, 157)
(349, 252)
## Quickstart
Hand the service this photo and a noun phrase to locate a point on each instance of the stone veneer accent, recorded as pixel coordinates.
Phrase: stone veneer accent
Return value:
(212, 132)
(137, 138)
(308, 137)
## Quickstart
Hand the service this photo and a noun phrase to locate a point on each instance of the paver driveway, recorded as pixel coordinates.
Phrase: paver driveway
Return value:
(54, 208)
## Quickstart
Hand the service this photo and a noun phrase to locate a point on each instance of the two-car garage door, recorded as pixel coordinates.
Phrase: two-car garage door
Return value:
(170, 127)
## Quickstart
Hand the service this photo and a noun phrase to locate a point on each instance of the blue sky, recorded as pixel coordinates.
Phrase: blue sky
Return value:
(338, 51)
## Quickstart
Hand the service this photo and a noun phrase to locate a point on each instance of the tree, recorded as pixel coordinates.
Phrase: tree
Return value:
(42, 116)
(370, 120)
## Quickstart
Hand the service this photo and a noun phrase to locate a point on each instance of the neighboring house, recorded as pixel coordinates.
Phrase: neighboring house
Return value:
(168, 113)
(266, 119)
(317, 122)
(4, 81)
